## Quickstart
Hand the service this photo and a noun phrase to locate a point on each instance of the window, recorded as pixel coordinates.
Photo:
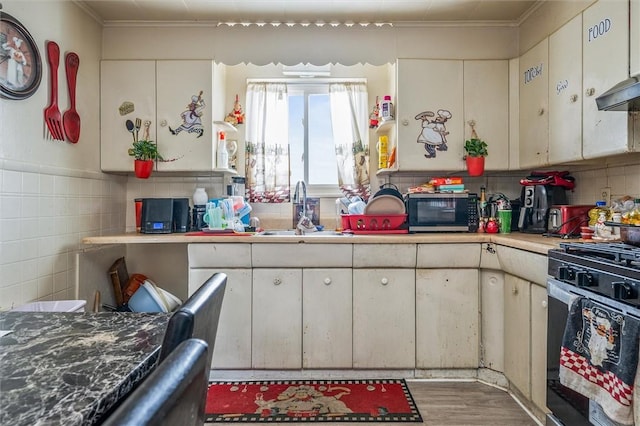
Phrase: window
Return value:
(312, 149)
(315, 132)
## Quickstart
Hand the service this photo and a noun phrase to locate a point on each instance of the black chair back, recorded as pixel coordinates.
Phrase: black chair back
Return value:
(197, 317)
(174, 393)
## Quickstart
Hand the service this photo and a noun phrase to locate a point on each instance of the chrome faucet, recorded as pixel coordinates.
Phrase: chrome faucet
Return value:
(296, 196)
(296, 200)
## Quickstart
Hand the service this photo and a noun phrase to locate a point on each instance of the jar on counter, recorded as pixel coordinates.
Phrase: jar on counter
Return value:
(594, 213)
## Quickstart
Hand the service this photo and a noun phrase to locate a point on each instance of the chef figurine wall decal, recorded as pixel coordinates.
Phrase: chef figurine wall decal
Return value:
(434, 132)
(192, 117)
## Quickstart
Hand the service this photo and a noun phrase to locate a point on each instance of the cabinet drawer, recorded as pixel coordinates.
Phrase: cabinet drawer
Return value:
(384, 256)
(448, 256)
(301, 255)
(219, 255)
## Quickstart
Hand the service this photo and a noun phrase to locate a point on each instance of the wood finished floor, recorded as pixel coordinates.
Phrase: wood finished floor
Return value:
(461, 403)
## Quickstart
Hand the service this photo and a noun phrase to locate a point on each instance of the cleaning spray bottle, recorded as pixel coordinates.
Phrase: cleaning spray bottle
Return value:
(222, 158)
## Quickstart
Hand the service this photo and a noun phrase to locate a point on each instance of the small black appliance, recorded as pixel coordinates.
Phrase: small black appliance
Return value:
(540, 191)
(157, 216)
(180, 215)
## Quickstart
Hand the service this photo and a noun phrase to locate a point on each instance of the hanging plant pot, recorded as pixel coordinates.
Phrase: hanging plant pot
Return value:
(143, 168)
(475, 165)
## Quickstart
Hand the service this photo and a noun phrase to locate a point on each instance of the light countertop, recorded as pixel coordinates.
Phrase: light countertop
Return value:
(530, 242)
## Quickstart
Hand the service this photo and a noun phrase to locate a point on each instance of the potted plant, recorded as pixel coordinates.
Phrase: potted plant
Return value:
(476, 150)
(145, 153)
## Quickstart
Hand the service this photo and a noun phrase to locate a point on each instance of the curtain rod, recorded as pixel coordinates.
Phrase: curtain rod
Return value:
(307, 81)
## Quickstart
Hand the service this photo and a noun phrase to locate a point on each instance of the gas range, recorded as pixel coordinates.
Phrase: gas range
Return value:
(608, 269)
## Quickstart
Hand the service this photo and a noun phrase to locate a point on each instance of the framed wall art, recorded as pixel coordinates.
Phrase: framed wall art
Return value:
(20, 63)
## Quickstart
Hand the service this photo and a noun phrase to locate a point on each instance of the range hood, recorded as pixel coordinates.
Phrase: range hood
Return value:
(624, 96)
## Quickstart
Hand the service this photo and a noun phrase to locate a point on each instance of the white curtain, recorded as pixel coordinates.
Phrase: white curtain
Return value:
(267, 143)
(351, 137)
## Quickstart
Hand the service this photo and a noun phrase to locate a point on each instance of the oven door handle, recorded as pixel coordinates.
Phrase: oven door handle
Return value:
(558, 291)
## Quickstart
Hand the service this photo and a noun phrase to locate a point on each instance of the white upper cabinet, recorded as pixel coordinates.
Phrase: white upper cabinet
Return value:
(605, 44)
(429, 115)
(486, 102)
(176, 96)
(127, 91)
(565, 93)
(184, 107)
(534, 106)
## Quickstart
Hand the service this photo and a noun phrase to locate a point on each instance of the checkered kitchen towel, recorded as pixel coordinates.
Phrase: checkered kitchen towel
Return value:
(599, 357)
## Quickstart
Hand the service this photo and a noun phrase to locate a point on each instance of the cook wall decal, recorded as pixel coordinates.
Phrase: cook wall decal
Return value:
(434, 132)
(192, 117)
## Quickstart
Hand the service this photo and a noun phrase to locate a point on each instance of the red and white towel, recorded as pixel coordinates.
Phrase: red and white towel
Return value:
(599, 357)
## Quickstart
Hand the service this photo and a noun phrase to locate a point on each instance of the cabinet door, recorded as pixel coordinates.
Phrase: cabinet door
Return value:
(539, 346)
(492, 326)
(180, 86)
(565, 93)
(326, 318)
(232, 347)
(517, 334)
(430, 115)
(277, 318)
(123, 83)
(605, 44)
(486, 102)
(384, 318)
(447, 318)
(534, 108)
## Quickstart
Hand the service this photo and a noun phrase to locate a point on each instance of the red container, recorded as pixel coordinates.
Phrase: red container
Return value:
(362, 222)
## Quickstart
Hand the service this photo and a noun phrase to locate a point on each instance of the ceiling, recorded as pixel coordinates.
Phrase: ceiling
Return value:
(311, 11)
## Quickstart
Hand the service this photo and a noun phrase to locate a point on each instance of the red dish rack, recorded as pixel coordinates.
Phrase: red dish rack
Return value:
(374, 224)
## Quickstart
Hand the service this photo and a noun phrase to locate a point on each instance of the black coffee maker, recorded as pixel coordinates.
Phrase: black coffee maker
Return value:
(540, 191)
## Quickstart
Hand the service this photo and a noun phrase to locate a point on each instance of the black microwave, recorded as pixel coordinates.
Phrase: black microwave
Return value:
(442, 212)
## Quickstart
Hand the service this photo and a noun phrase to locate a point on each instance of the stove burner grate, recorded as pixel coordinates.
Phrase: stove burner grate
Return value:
(617, 252)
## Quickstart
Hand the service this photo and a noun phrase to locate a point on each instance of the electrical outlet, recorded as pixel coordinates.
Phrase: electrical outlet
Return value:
(605, 195)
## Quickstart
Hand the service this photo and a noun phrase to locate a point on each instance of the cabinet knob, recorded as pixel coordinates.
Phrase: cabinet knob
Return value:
(544, 304)
(277, 281)
(384, 281)
(163, 123)
(541, 111)
(590, 91)
(327, 281)
(514, 290)
(405, 122)
(573, 98)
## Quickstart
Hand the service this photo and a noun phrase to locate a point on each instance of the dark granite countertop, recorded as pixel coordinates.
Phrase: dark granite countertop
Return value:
(70, 368)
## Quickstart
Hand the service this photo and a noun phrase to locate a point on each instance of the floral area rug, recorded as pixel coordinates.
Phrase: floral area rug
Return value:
(311, 401)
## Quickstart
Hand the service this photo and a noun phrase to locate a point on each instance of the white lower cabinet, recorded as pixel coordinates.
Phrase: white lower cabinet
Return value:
(384, 318)
(327, 325)
(539, 302)
(276, 339)
(232, 349)
(447, 318)
(517, 333)
(492, 326)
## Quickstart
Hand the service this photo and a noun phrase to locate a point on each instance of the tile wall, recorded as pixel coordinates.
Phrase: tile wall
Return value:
(43, 218)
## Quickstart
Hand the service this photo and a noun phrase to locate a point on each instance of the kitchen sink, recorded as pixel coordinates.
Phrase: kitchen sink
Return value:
(292, 232)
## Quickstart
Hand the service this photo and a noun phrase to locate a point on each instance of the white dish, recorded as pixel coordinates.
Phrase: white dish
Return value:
(385, 204)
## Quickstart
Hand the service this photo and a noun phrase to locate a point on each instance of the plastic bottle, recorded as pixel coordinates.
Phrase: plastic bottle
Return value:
(222, 157)
(383, 151)
(200, 197)
(386, 109)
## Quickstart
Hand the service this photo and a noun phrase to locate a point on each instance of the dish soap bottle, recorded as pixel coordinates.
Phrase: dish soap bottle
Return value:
(222, 157)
